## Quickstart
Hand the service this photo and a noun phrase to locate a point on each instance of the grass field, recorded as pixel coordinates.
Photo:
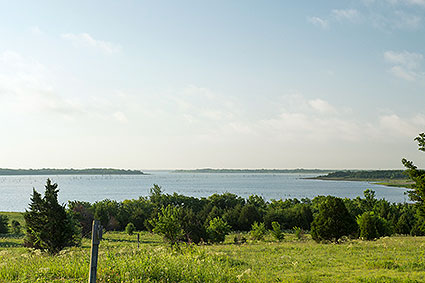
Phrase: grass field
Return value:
(393, 259)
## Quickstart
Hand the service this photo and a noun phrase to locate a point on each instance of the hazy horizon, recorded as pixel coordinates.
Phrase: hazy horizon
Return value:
(218, 84)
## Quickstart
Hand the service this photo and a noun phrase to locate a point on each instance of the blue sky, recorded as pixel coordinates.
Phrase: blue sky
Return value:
(223, 84)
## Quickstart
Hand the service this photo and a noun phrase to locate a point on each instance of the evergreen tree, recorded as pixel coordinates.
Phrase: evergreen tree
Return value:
(417, 193)
(49, 227)
(4, 228)
(332, 221)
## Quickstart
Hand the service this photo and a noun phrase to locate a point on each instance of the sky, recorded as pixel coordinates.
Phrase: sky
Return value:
(218, 84)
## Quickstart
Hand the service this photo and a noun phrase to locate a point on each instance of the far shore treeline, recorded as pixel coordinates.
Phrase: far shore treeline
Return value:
(49, 171)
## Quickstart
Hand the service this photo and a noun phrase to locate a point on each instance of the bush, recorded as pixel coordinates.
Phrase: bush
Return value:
(130, 228)
(258, 231)
(299, 233)
(4, 228)
(16, 227)
(332, 221)
(217, 230)
(277, 231)
(167, 224)
(49, 227)
(367, 226)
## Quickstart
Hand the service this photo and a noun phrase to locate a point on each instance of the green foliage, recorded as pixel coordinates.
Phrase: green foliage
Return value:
(217, 230)
(194, 231)
(277, 232)
(4, 227)
(168, 225)
(418, 229)
(49, 227)
(299, 233)
(332, 221)
(417, 193)
(83, 212)
(130, 228)
(249, 215)
(16, 227)
(258, 230)
(108, 212)
(367, 226)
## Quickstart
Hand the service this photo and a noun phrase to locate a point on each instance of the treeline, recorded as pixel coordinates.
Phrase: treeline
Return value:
(194, 216)
(367, 175)
(273, 171)
(89, 171)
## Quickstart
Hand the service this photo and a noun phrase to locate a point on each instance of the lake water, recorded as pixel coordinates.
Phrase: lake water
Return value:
(15, 191)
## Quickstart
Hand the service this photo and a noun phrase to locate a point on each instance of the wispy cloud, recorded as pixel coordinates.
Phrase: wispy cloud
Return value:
(28, 87)
(346, 14)
(324, 24)
(86, 40)
(405, 65)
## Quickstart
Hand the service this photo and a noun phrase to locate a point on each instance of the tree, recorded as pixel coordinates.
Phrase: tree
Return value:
(167, 224)
(49, 227)
(417, 193)
(217, 230)
(277, 231)
(4, 228)
(332, 221)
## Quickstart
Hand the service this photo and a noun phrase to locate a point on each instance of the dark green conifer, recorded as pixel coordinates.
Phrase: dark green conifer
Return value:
(49, 227)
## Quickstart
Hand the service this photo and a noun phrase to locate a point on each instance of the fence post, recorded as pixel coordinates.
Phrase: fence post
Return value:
(96, 236)
(138, 240)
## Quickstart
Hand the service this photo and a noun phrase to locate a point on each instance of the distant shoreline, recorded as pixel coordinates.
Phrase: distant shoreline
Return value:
(249, 171)
(49, 171)
(390, 178)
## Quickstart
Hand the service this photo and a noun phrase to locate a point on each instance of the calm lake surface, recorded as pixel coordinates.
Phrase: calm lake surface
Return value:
(15, 191)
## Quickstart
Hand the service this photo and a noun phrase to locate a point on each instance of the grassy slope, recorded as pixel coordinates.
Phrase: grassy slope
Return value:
(394, 259)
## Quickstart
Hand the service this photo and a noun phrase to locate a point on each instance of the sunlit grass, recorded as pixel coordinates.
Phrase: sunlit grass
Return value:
(393, 259)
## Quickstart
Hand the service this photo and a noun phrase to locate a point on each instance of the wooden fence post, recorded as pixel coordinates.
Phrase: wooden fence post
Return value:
(96, 236)
(138, 240)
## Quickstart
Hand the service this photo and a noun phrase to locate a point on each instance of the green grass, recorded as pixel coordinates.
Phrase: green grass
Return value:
(393, 259)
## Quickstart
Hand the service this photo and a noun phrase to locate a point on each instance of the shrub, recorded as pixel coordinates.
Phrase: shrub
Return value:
(4, 228)
(16, 227)
(277, 231)
(83, 212)
(49, 227)
(249, 214)
(258, 231)
(167, 224)
(130, 228)
(332, 221)
(299, 233)
(367, 226)
(217, 230)
(194, 231)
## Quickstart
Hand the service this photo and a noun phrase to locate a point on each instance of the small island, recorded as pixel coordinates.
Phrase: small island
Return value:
(50, 171)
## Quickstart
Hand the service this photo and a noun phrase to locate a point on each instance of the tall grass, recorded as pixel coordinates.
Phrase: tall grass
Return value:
(395, 259)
